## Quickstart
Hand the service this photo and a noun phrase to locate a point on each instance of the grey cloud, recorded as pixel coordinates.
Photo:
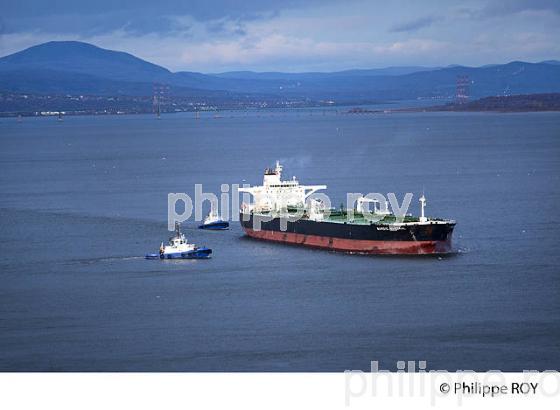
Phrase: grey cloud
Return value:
(503, 8)
(414, 25)
(228, 28)
(137, 16)
(96, 24)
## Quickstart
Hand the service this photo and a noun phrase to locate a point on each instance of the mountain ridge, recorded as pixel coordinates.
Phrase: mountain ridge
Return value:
(71, 67)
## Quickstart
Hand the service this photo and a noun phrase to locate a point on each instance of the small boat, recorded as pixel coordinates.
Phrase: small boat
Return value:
(179, 248)
(214, 222)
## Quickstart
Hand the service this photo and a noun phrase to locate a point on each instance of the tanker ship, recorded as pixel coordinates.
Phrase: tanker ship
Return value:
(283, 211)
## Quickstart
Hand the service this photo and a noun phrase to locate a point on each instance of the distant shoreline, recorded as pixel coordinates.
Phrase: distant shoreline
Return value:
(38, 105)
(548, 102)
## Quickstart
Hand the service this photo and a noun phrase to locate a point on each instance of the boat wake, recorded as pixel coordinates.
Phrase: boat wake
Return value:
(92, 261)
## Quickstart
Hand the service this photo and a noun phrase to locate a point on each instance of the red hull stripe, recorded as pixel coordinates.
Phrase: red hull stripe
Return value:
(354, 245)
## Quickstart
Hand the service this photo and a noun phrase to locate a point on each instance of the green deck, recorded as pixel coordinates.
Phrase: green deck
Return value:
(341, 216)
(358, 218)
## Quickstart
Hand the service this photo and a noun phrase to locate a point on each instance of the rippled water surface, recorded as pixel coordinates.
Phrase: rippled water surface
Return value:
(81, 202)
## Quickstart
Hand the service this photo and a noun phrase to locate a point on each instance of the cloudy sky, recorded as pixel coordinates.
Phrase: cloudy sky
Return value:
(294, 35)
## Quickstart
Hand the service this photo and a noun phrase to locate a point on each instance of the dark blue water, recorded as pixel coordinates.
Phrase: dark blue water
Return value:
(83, 200)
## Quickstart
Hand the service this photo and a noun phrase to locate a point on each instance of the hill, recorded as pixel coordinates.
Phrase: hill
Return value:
(510, 103)
(83, 58)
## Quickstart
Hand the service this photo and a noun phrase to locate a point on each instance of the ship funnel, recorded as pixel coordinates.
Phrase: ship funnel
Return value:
(422, 201)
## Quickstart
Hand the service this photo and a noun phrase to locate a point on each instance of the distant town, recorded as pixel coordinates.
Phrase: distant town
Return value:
(29, 105)
(26, 105)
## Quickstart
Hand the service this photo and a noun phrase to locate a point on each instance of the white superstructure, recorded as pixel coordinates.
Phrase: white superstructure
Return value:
(212, 217)
(422, 200)
(177, 244)
(275, 194)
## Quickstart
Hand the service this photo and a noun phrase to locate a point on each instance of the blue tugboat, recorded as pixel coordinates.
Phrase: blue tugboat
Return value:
(179, 248)
(214, 222)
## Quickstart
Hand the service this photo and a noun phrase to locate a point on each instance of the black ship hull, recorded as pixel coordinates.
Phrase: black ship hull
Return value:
(377, 238)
